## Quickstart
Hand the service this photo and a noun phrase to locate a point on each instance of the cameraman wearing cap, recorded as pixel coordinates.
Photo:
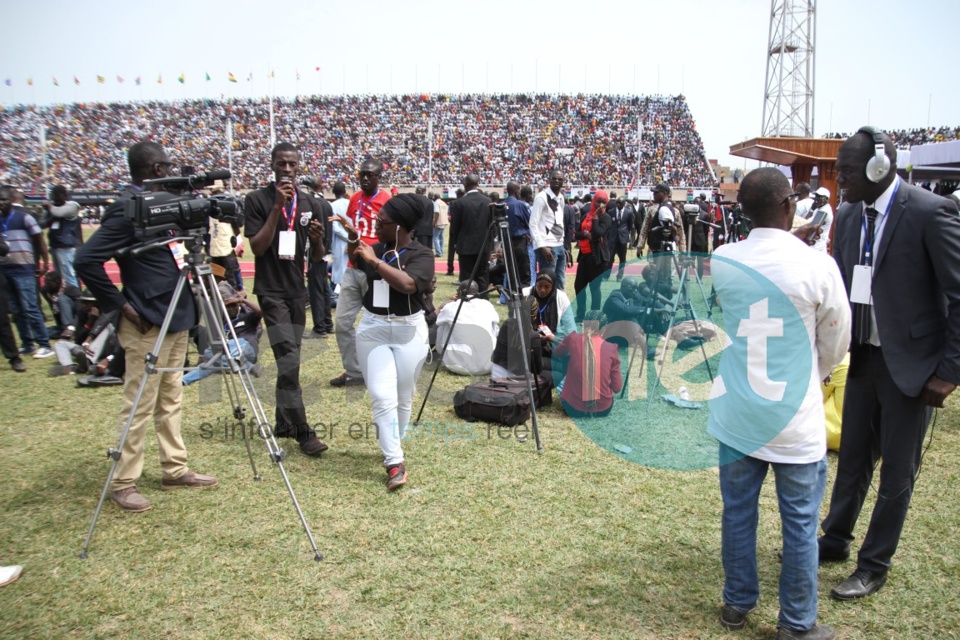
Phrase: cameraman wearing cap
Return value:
(279, 219)
(149, 280)
(663, 230)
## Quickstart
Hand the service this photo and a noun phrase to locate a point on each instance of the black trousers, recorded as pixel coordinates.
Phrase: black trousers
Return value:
(284, 319)
(450, 252)
(621, 254)
(318, 288)
(879, 421)
(8, 342)
(426, 241)
(522, 260)
(467, 263)
(589, 274)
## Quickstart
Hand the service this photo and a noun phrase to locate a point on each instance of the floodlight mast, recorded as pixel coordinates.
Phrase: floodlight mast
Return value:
(788, 98)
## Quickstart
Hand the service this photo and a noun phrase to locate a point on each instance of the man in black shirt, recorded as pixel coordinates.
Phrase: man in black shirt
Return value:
(279, 221)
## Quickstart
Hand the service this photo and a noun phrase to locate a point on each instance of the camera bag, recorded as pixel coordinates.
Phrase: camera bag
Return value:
(501, 401)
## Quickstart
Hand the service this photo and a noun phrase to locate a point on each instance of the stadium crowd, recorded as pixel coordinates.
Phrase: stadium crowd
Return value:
(906, 138)
(592, 138)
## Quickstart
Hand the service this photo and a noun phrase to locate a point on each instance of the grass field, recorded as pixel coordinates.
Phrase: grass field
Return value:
(487, 540)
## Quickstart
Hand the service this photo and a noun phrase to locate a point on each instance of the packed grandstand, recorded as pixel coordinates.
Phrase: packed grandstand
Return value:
(907, 138)
(593, 138)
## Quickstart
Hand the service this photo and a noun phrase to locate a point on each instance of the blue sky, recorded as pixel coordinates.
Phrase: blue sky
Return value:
(877, 62)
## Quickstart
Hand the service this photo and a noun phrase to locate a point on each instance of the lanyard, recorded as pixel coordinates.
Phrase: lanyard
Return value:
(292, 214)
(540, 312)
(868, 242)
(396, 255)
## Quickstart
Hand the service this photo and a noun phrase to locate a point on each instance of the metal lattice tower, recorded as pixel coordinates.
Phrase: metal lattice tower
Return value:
(791, 69)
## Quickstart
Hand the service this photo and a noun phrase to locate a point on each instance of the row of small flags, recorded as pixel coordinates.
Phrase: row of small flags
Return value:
(182, 79)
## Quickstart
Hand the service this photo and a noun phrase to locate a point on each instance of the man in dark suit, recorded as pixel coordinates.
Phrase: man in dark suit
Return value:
(149, 280)
(470, 219)
(897, 248)
(624, 221)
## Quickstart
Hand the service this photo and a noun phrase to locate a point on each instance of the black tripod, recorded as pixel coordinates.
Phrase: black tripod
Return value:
(215, 315)
(514, 309)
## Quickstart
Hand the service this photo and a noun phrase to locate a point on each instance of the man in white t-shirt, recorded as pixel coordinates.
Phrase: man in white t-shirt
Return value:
(767, 411)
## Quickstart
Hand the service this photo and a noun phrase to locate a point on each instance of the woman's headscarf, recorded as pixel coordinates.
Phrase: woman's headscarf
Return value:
(588, 220)
(405, 209)
(544, 310)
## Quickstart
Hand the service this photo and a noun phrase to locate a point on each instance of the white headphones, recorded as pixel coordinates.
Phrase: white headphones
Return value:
(879, 165)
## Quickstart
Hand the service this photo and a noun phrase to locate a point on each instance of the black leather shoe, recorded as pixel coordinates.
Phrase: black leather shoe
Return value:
(859, 585)
(817, 632)
(832, 555)
(313, 446)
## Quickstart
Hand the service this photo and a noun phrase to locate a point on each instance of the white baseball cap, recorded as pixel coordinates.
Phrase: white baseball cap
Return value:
(823, 191)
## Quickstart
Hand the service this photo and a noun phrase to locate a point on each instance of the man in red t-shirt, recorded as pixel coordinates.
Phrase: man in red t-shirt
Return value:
(361, 214)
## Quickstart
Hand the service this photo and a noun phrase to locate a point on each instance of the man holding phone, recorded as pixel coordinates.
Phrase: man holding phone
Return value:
(822, 217)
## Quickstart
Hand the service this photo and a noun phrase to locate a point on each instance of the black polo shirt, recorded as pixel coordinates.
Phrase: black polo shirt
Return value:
(417, 262)
(276, 277)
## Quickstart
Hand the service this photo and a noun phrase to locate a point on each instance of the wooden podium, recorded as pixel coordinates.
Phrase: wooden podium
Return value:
(801, 155)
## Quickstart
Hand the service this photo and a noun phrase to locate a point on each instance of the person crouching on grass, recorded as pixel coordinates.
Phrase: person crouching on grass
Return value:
(392, 338)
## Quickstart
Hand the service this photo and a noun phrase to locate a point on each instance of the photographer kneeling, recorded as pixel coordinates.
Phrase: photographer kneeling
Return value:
(149, 281)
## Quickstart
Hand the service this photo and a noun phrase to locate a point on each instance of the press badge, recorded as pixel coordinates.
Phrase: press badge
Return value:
(176, 250)
(381, 294)
(860, 288)
(288, 245)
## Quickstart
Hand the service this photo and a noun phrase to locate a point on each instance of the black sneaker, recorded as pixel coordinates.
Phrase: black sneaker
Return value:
(18, 366)
(315, 335)
(396, 476)
(28, 350)
(733, 619)
(344, 380)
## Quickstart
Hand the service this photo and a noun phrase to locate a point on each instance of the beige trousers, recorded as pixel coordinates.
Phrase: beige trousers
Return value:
(160, 400)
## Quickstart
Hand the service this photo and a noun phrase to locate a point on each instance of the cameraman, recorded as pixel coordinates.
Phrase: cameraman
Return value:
(149, 280)
(662, 230)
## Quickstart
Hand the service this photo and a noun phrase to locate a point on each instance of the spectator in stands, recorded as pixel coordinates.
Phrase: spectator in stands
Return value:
(62, 218)
(472, 338)
(592, 369)
(27, 259)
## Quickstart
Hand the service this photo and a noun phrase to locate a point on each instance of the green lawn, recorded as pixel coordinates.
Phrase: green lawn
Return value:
(487, 540)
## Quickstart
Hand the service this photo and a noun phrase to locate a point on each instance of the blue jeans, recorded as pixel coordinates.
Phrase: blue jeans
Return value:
(438, 241)
(63, 258)
(199, 374)
(559, 257)
(22, 300)
(799, 492)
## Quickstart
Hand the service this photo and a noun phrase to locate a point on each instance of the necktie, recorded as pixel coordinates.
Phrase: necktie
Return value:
(861, 312)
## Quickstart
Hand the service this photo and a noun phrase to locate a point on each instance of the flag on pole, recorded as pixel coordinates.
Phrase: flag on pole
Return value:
(231, 77)
(7, 82)
(29, 82)
(271, 73)
(208, 76)
(55, 83)
(119, 79)
(101, 79)
(137, 81)
(250, 77)
(181, 79)
(318, 68)
(76, 80)
(160, 79)
(298, 74)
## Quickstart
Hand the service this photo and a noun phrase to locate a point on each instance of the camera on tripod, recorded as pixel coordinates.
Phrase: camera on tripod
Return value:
(179, 207)
(691, 212)
(499, 211)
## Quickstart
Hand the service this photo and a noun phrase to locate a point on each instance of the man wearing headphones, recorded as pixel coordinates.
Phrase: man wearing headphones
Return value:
(896, 246)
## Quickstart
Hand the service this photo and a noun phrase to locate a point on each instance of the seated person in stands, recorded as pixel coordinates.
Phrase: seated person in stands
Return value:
(508, 354)
(62, 298)
(550, 314)
(472, 339)
(593, 369)
(244, 315)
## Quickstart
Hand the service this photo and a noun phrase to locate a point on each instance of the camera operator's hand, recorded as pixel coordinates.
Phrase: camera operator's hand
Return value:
(547, 254)
(936, 390)
(131, 315)
(285, 190)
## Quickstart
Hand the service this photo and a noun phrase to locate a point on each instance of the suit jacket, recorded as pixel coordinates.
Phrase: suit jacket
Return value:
(916, 284)
(149, 279)
(470, 220)
(625, 224)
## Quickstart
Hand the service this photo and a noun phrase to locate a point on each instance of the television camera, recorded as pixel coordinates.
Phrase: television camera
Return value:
(179, 206)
